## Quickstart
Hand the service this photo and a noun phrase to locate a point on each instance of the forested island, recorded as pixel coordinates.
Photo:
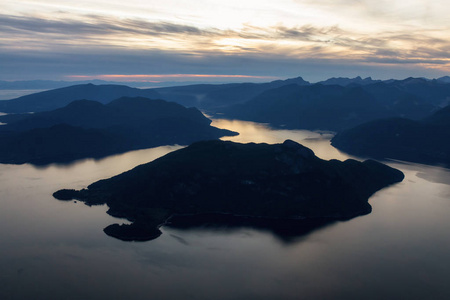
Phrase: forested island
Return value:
(267, 182)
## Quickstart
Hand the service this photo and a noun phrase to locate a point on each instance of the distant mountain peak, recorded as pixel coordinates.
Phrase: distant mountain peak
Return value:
(297, 80)
(344, 81)
(445, 79)
(414, 80)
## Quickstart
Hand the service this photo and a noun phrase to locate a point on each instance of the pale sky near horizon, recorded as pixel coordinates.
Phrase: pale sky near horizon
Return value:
(243, 39)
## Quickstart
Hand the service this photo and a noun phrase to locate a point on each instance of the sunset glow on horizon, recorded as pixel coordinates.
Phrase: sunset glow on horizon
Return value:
(151, 77)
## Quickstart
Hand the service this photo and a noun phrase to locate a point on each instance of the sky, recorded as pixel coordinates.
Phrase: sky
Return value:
(223, 41)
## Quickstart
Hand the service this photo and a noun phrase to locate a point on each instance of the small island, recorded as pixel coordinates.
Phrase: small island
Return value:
(274, 182)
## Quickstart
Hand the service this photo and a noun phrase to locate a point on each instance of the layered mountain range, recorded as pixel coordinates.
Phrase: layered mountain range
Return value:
(86, 128)
(334, 104)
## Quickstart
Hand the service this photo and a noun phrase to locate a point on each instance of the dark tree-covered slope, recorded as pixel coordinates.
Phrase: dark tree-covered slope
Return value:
(342, 105)
(92, 114)
(90, 129)
(213, 97)
(327, 107)
(426, 141)
(281, 181)
(52, 99)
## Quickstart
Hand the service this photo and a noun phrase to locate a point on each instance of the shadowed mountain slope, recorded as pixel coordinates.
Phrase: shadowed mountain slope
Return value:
(426, 141)
(327, 107)
(212, 97)
(90, 129)
(52, 99)
(337, 107)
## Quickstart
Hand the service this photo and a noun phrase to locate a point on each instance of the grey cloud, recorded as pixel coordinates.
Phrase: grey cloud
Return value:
(95, 25)
(56, 65)
(306, 32)
(84, 47)
(396, 61)
(97, 29)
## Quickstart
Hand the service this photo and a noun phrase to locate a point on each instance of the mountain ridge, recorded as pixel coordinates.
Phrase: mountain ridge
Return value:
(123, 125)
(425, 141)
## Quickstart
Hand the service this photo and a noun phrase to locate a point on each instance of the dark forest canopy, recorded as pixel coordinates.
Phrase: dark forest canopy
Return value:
(333, 104)
(280, 181)
(57, 98)
(337, 107)
(87, 128)
(425, 141)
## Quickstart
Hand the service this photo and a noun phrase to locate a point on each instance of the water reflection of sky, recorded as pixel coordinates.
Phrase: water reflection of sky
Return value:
(57, 250)
(261, 133)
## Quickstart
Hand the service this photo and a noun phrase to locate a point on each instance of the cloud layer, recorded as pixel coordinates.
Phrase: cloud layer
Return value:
(65, 43)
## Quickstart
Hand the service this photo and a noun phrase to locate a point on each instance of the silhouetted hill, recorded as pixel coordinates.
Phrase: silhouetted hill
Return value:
(92, 114)
(328, 107)
(53, 84)
(215, 96)
(434, 92)
(426, 141)
(122, 125)
(344, 81)
(439, 118)
(281, 181)
(337, 107)
(400, 102)
(57, 98)
(59, 143)
(445, 79)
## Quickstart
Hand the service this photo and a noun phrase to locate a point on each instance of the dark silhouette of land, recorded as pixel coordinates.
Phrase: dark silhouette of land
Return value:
(344, 81)
(213, 97)
(53, 99)
(426, 141)
(336, 107)
(204, 96)
(87, 128)
(253, 181)
(334, 104)
(286, 230)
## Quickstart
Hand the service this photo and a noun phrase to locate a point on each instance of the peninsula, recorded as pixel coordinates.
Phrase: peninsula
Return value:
(89, 129)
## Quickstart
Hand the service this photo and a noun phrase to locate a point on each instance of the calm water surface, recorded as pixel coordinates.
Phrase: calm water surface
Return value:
(57, 250)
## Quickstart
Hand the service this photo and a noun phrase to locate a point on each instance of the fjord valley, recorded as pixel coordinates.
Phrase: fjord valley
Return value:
(322, 217)
(226, 150)
(335, 104)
